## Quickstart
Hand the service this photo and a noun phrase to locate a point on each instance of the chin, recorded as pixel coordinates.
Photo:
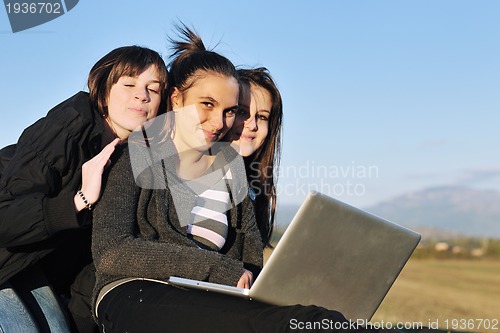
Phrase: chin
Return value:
(204, 147)
(246, 151)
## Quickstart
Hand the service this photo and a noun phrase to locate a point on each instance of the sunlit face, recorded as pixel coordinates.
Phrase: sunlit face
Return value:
(132, 101)
(205, 112)
(256, 127)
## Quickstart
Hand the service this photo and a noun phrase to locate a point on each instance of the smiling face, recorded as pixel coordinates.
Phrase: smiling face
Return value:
(205, 111)
(255, 127)
(132, 101)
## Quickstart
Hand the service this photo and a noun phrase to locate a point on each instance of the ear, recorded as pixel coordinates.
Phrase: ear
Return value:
(176, 99)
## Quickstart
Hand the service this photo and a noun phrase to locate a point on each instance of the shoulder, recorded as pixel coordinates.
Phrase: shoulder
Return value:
(6, 155)
(62, 135)
(70, 119)
(119, 171)
(125, 166)
(76, 108)
(227, 150)
(120, 157)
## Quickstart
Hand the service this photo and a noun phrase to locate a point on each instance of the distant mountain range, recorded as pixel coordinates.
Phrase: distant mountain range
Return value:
(440, 212)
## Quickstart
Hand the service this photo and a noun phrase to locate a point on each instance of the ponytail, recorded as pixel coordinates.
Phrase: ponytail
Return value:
(190, 43)
(191, 60)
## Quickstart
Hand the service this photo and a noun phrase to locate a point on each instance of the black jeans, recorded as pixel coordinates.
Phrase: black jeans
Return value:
(146, 306)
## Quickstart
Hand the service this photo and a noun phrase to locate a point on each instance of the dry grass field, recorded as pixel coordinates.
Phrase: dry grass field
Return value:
(460, 295)
(452, 295)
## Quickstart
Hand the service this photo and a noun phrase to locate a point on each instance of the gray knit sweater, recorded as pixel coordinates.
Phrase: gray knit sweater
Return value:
(136, 233)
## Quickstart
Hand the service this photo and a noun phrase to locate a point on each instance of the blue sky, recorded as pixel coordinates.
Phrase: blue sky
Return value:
(381, 97)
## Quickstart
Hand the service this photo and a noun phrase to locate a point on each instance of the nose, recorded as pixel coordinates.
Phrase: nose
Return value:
(142, 94)
(251, 123)
(217, 120)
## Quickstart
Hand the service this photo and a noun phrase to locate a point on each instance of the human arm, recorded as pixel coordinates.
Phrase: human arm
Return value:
(253, 246)
(134, 237)
(245, 280)
(6, 155)
(34, 201)
(39, 182)
(92, 171)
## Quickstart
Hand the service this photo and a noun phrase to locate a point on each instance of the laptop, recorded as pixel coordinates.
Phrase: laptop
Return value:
(331, 255)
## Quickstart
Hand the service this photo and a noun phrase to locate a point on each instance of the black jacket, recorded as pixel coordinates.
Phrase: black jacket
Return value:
(6, 154)
(39, 177)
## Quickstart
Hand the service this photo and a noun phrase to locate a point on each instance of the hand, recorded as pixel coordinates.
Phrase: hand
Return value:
(92, 171)
(246, 280)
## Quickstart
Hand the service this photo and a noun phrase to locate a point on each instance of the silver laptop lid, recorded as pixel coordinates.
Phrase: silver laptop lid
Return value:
(336, 256)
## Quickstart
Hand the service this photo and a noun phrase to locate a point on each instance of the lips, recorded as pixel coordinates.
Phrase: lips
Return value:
(210, 135)
(247, 137)
(140, 111)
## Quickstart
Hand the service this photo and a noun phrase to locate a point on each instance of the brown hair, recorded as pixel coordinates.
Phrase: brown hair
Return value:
(123, 61)
(191, 60)
(267, 157)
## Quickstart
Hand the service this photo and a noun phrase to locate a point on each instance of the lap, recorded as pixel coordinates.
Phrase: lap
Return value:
(146, 306)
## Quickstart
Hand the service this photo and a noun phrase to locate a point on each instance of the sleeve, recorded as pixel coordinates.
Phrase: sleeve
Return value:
(253, 247)
(120, 250)
(6, 155)
(33, 201)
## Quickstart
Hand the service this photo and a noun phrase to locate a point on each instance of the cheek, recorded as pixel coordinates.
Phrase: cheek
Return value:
(263, 131)
(112, 109)
(110, 104)
(154, 108)
(188, 116)
(230, 122)
(200, 116)
(152, 114)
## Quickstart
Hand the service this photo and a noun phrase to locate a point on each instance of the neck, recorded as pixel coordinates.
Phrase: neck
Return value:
(108, 135)
(191, 163)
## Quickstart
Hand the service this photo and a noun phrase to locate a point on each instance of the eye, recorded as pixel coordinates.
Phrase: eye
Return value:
(127, 81)
(262, 117)
(208, 105)
(231, 112)
(153, 88)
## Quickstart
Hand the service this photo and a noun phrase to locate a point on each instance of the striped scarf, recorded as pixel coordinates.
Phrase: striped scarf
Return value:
(208, 225)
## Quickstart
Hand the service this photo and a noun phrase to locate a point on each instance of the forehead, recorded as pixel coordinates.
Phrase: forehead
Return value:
(150, 74)
(135, 72)
(131, 71)
(223, 89)
(261, 97)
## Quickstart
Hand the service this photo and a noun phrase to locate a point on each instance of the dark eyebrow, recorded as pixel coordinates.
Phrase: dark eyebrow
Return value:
(211, 99)
(214, 101)
(232, 108)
